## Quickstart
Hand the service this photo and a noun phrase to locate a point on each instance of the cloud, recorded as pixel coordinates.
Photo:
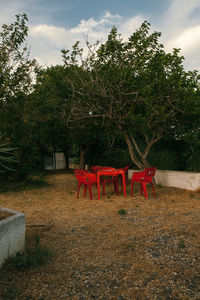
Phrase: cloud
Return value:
(188, 40)
(51, 39)
(179, 24)
(181, 29)
(55, 38)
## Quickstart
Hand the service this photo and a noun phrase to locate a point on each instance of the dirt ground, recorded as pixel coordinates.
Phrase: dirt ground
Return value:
(151, 252)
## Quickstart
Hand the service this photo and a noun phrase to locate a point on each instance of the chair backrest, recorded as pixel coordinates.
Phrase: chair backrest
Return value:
(150, 172)
(81, 175)
(94, 169)
(84, 177)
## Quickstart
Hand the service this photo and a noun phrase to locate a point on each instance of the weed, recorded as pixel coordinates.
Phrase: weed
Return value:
(37, 240)
(27, 184)
(11, 293)
(181, 244)
(191, 195)
(121, 212)
(129, 246)
(32, 258)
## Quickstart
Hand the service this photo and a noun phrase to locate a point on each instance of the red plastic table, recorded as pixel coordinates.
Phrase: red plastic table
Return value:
(111, 173)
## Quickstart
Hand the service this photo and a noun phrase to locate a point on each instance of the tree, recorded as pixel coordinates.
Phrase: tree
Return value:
(16, 83)
(49, 111)
(133, 86)
(8, 155)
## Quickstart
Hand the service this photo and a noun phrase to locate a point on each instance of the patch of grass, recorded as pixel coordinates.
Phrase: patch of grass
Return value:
(181, 244)
(27, 184)
(11, 292)
(129, 246)
(192, 196)
(32, 258)
(121, 212)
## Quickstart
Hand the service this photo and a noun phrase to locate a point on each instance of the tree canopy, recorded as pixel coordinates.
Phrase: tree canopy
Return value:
(134, 86)
(120, 93)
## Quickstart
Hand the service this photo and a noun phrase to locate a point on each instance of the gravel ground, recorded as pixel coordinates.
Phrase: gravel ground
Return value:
(150, 252)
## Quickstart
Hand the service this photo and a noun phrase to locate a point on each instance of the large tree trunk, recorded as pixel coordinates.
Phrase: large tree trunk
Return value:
(132, 152)
(83, 149)
(138, 157)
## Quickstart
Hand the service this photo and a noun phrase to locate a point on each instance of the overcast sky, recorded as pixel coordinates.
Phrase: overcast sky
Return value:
(58, 24)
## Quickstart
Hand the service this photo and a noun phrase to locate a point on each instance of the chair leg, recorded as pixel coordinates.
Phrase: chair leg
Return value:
(126, 178)
(115, 182)
(79, 185)
(144, 186)
(90, 191)
(85, 190)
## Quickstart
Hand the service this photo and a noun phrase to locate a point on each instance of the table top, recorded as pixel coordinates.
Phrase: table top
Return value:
(110, 172)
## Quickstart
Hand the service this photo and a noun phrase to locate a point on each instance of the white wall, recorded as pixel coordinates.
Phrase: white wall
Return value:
(12, 234)
(183, 180)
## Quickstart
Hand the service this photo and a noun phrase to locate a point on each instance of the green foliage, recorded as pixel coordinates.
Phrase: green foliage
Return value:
(181, 244)
(135, 87)
(32, 258)
(122, 212)
(12, 292)
(8, 155)
(15, 67)
(16, 77)
(50, 107)
(26, 184)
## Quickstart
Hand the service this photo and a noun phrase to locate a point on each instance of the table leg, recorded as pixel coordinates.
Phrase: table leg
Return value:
(124, 184)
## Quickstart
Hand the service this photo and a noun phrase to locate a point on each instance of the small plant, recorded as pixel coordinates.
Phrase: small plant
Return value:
(27, 184)
(11, 293)
(191, 195)
(129, 246)
(181, 244)
(121, 212)
(32, 258)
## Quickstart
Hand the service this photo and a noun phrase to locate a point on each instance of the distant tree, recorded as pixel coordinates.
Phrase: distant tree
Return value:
(50, 109)
(8, 156)
(134, 86)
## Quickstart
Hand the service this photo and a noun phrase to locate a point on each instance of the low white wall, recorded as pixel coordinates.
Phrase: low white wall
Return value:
(12, 234)
(183, 180)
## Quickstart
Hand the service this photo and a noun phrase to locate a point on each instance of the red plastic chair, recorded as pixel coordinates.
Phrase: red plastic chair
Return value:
(94, 169)
(87, 180)
(143, 178)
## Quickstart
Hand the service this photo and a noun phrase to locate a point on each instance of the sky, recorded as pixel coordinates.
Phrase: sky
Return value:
(57, 24)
